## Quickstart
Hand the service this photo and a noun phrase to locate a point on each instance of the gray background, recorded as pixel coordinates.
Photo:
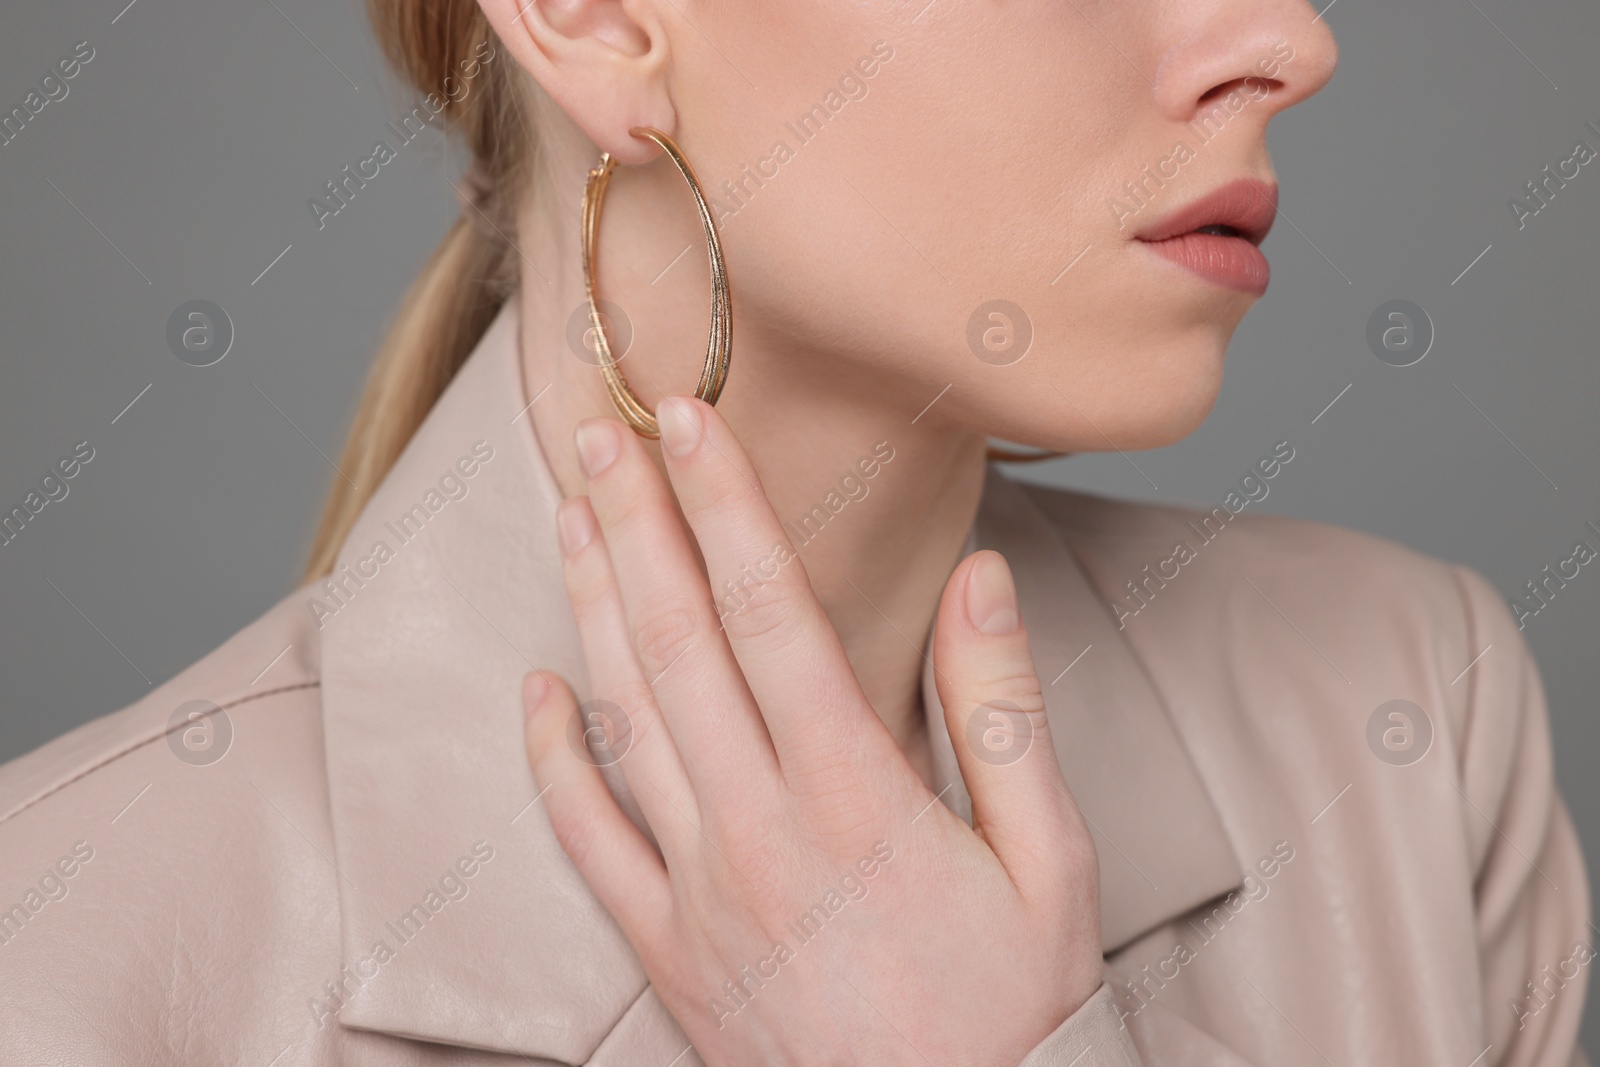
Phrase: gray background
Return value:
(192, 141)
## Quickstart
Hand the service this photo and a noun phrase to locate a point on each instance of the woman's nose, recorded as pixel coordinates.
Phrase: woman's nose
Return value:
(1277, 52)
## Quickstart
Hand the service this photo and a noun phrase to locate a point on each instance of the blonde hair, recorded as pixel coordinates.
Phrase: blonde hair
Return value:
(433, 43)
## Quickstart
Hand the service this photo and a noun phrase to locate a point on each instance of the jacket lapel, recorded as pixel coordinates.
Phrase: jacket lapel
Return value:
(423, 658)
(463, 921)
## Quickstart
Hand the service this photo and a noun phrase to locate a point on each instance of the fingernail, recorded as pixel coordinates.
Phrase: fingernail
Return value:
(991, 595)
(680, 427)
(598, 445)
(534, 688)
(574, 525)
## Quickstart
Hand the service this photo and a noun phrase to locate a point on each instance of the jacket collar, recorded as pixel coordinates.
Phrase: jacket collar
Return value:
(449, 589)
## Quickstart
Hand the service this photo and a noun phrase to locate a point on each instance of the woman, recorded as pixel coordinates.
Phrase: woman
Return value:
(581, 749)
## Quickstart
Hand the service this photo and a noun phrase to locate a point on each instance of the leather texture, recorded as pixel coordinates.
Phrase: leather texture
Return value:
(362, 873)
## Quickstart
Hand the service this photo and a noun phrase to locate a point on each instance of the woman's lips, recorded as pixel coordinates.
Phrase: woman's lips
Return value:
(1231, 262)
(1235, 219)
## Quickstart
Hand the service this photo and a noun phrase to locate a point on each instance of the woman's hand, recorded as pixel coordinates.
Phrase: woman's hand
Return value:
(811, 902)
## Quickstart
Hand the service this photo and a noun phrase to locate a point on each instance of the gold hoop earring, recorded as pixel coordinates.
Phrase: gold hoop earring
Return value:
(719, 345)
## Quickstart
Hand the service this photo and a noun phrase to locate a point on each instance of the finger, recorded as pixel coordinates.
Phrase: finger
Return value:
(625, 872)
(680, 649)
(789, 651)
(623, 718)
(994, 710)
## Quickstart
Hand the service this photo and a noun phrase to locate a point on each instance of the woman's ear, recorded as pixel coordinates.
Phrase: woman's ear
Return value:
(603, 62)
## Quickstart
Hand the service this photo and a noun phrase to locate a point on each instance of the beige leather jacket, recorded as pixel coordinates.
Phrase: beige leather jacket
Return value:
(348, 863)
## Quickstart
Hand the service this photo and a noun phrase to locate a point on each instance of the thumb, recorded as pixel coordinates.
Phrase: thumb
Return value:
(994, 710)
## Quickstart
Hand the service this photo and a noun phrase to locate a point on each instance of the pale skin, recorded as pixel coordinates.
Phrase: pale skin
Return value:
(770, 757)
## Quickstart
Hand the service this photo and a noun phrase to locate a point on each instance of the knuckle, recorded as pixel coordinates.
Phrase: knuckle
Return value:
(630, 509)
(640, 512)
(1009, 725)
(1017, 686)
(722, 495)
(1075, 869)
(589, 585)
(1056, 864)
(1068, 847)
(763, 877)
(664, 635)
(636, 701)
(766, 613)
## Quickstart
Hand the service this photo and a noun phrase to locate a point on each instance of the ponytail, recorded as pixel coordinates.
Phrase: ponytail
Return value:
(444, 48)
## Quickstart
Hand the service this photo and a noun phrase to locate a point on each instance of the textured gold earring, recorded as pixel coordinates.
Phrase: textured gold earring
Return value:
(719, 346)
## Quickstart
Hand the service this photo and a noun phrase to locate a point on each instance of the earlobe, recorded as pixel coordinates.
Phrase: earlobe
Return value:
(603, 62)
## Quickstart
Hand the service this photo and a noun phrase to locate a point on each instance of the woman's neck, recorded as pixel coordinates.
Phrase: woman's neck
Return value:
(877, 501)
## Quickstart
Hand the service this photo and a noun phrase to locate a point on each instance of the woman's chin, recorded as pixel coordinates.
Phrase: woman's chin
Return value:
(1157, 409)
